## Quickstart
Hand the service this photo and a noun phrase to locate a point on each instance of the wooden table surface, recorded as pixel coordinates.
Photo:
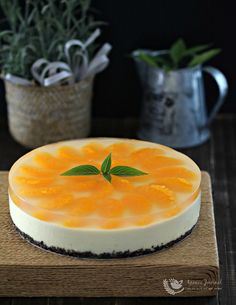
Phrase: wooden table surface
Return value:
(217, 156)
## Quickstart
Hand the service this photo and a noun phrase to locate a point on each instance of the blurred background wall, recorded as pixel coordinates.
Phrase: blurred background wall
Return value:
(156, 24)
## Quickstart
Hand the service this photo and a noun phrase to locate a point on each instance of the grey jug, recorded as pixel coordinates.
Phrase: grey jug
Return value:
(173, 108)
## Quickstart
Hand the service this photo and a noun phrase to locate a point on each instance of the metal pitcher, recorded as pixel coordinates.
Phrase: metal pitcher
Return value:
(173, 109)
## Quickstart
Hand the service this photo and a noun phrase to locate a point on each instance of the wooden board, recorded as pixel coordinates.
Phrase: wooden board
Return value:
(29, 271)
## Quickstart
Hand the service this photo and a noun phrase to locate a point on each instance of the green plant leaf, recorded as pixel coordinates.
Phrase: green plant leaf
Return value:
(106, 164)
(107, 177)
(148, 59)
(196, 49)
(177, 51)
(162, 61)
(106, 171)
(156, 61)
(201, 58)
(126, 171)
(82, 170)
(36, 24)
(3, 33)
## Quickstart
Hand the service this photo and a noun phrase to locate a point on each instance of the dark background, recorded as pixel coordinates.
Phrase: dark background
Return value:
(156, 24)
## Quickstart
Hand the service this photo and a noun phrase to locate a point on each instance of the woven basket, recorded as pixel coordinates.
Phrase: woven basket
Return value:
(39, 115)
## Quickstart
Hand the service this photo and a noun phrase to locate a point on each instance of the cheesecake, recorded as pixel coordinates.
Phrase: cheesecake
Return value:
(104, 197)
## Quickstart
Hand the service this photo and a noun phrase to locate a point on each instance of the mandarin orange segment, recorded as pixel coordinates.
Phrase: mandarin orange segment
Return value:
(120, 150)
(46, 160)
(96, 185)
(102, 188)
(119, 161)
(34, 182)
(137, 204)
(145, 153)
(137, 180)
(34, 171)
(175, 171)
(13, 196)
(83, 206)
(69, 153)
(112, 224)
(176, 184)
(153, 164)
(19, 202)
(93, 151)
(110, 208)
(57, 202)
(158, 194)
(40, 192)
(67, 180)
(80, 186)
(81, 162)
(122, 184)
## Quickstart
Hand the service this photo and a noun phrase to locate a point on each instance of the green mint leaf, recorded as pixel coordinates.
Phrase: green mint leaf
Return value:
(106, 164)
(196, 49)
(177, 51)
(201, 58)
(107, 177)
(82, 170)
(126, 171)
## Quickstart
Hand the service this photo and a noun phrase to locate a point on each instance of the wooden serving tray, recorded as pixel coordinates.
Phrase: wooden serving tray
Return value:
(26, 270)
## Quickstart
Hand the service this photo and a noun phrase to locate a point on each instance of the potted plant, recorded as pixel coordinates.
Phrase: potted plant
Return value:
(48, 60)
(174, 111)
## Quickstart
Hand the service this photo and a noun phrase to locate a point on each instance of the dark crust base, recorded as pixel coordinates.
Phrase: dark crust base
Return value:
(104, 255)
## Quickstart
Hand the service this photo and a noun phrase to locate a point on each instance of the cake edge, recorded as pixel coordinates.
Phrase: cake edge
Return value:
(104, 255)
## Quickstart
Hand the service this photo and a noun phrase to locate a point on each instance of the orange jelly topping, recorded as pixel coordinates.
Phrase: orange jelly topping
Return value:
(91, 202)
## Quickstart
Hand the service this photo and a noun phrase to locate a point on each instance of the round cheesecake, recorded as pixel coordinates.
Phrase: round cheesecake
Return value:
(89, 215)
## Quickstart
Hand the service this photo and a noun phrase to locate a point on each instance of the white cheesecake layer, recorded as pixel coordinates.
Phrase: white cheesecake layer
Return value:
(100, 241)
